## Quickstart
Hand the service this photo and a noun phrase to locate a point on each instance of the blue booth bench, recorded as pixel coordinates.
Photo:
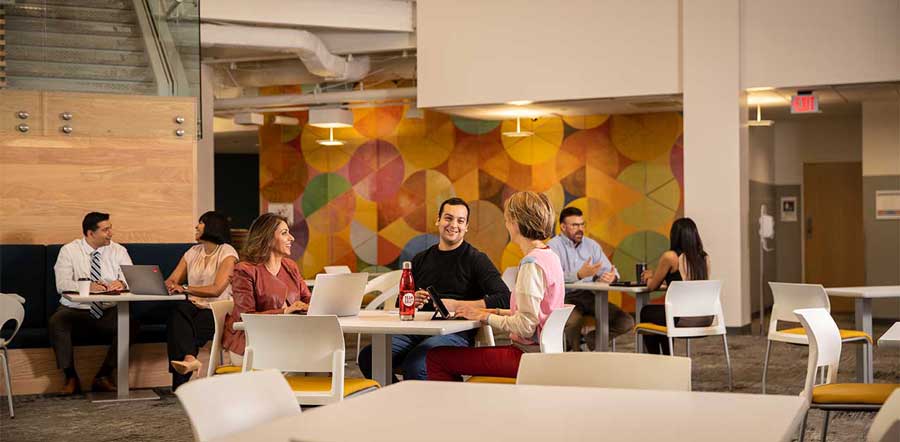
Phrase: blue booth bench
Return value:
(28, 271)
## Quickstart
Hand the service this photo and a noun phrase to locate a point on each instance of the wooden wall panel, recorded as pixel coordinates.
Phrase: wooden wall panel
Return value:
(146, 180)
(13, 101)
(120, 115)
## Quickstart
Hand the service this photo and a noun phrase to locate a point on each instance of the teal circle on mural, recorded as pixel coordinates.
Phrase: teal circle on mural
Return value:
(474, 127)
(645, 246)
(418, 244)
(321, 190)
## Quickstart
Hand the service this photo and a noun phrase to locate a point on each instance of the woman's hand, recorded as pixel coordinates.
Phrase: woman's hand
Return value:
(298, 306)
(646, 275)
(470, 312)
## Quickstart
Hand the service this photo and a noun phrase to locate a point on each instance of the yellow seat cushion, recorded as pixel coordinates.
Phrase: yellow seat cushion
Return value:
(845, 334)
(491, 380)
(874, 394)
(322, 384)
(228, 369)
(650, 326)
(369, 297)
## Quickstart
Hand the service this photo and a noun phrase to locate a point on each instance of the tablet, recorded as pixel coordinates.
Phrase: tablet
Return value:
(440, 310)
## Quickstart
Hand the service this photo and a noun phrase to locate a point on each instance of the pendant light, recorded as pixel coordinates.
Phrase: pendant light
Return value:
(519, 133)
(330, 141)
(759, 121)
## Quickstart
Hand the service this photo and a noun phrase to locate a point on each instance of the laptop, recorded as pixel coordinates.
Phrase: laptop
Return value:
(144, 280)
(338, 294)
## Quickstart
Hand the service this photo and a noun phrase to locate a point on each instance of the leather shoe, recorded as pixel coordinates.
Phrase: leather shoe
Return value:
(71, 386)
(103, 384)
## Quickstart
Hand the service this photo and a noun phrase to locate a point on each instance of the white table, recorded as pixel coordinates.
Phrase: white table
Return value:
(384, 325)
(601, 307)
(123, 302)
(891, 338)
(863, 310)
(412, 411)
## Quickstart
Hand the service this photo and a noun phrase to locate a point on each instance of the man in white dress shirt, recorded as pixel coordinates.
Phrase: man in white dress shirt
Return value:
(98, 258)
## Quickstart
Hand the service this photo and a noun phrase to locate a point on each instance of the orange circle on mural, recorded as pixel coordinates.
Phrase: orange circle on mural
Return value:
(643, 137)
(377, 122)
(586, 121)
(283, 173)
(426, 142)
(487, 229)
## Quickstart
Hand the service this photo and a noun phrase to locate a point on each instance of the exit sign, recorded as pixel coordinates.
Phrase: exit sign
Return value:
(804, 104)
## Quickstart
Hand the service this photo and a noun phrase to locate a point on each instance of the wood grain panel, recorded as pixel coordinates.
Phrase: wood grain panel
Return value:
(120, 115)
(34, 370)
(13, 101)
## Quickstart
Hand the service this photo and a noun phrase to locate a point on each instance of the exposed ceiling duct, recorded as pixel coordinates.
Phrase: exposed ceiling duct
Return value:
(280, 101)
(309, 48)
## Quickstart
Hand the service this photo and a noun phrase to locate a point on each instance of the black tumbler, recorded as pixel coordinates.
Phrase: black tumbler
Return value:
(639, 269)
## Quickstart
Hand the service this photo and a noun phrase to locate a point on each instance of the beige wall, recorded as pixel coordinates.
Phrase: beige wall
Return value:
(816, 42)
(815, 139)
(477, 52)
(881, 138)
(123, 157)
(762, 154)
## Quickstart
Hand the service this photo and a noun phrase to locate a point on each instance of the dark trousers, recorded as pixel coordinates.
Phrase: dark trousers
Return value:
(620, 322)
(67, 321)
(451, 363)
(409, 351)
(656, 314)
(188, 329)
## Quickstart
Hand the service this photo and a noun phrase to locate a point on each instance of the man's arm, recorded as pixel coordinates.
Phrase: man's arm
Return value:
(65, 272)
(601, 258)
(496, 293)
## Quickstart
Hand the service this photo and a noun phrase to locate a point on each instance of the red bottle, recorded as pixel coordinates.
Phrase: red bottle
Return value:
(407, 293)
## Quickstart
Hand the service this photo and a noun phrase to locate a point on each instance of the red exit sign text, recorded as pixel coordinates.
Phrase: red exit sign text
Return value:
(804, 104)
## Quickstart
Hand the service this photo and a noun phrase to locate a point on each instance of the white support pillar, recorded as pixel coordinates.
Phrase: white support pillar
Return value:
(206, 199)
(716, 159)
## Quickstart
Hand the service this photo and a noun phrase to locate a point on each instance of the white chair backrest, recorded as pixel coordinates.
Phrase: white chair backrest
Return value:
(11, 309)
(787, 297)
(606, 370)
(886, 425)
(389, 286)
(824, 346)
(694, 298)
(297, 343)
(332, 270)
(223, 405)
(219, 310)
(509, 277)
(552, 334)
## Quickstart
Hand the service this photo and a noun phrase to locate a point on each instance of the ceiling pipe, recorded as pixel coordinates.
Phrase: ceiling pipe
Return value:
(309, 48)
(313, 99)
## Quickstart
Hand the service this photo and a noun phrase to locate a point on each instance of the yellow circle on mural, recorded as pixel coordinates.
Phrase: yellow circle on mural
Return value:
(537, 148)
(557, 196)
(328, 158)
(426, 142)
(487, 229)
(643, 137)
(586, 121)
(512, 254)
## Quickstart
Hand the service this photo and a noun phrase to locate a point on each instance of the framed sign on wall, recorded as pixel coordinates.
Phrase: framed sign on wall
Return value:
(789, 209)
(887, 204)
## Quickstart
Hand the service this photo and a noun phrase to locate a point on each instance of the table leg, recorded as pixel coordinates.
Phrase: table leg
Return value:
(382, 363)
(863, 358)
(122, 353)
(640, 300)
(601, 314)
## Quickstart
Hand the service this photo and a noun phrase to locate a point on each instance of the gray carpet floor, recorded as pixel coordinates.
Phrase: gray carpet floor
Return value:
(57, 418)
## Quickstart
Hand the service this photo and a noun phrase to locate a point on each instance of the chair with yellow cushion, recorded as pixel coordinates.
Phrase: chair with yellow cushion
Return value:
(825, 354)
(687, 299)
(219, 310)
(788, 297)
(304, 346)
(552, 341)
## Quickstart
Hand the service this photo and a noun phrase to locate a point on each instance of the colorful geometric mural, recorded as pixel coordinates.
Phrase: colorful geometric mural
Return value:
(373, 202)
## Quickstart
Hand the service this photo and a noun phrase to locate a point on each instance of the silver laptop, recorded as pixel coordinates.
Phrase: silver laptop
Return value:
(338, 294)
(144, 280)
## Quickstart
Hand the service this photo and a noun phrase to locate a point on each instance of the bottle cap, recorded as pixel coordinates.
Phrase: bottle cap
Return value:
(407, 265)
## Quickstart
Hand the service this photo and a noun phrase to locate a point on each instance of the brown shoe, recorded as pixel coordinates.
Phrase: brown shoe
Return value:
(103, 384)
(71, 386)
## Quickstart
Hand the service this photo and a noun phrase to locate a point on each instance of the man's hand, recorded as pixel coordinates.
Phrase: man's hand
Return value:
(608, 277)
(115, 285)
(298, 306)
(98, 287)
(588, 269)
(422, 297)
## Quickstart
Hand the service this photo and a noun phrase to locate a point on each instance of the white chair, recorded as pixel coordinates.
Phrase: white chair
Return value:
(224, 405)
(886, 425)
(509, 277)
(606, 370)
(337, 270)
(825, 354)
(789, 297)
(219, 310)
(302, 344)
(10, 310)
(691, 299)
(388, 286)
(551, 341)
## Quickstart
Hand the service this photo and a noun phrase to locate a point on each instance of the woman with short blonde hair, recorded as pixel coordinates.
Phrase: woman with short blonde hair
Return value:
(540, 289)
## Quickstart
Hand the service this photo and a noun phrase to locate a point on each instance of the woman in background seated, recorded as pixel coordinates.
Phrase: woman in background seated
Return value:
(684, 261)
(207, 267)
(266, 280)
(540, 289)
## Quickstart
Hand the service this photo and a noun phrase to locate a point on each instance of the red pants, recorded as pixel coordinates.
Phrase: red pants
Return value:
(450, 363)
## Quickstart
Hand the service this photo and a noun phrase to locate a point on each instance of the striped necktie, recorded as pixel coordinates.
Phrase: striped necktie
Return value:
(95, 309)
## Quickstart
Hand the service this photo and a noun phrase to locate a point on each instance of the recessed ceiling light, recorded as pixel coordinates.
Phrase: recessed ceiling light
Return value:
(760, 89)
(520, 102)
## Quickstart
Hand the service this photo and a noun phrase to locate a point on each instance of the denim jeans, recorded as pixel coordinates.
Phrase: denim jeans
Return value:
(409, 351)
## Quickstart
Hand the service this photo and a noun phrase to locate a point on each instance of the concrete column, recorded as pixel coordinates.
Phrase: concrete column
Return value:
(716, 159)
(206, 199)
